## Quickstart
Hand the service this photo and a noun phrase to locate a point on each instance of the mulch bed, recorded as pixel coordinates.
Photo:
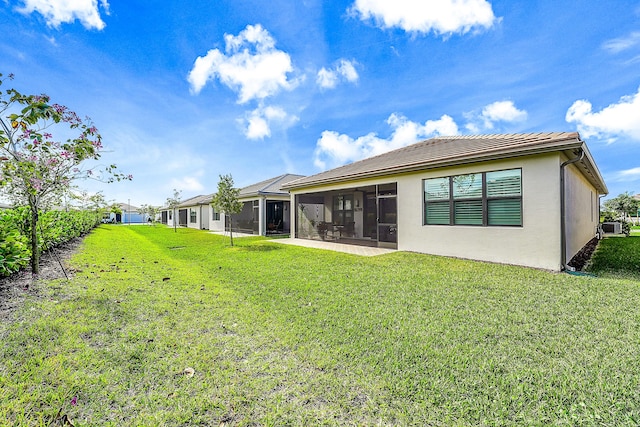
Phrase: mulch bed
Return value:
(15, 288)
(580, 260)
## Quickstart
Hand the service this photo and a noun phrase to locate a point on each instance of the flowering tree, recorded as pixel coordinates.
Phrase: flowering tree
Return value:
(35, 169)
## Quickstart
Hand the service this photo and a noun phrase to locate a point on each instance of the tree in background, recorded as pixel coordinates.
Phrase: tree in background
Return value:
(622, 206)
(116, 210)
(35, 169)
(172, 203)
(226, 200)
(150, 212)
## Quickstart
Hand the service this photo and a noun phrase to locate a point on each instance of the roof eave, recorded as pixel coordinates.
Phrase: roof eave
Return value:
(453, 161)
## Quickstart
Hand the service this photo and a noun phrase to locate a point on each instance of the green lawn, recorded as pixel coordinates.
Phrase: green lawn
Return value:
(618, 257)
(280, 335)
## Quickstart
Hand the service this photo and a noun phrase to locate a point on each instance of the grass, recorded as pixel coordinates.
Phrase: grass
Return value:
(618, 257)
(281, 335)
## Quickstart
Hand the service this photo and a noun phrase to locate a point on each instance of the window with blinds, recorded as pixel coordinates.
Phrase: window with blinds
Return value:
(484, 199)
(436, 194)
(504, 197)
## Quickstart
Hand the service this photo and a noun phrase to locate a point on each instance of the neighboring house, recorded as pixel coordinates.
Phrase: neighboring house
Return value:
(129, 214)
(195, 212)
(266, 207)
(523, 199)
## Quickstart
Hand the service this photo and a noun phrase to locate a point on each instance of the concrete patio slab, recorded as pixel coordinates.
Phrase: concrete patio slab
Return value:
(338, 247)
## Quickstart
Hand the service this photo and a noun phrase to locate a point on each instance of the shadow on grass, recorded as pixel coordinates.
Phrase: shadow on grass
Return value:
(258, 248)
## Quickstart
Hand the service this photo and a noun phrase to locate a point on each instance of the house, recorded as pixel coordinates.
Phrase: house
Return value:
(523, 199)
(195, 212)
(129, 214)
(266, 207)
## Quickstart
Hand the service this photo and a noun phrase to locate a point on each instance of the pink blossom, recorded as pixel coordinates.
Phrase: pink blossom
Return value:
(74, 401)
(36, 183)
(66, 155)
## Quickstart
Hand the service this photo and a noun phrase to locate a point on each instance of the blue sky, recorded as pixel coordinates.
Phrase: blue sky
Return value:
(185, 91)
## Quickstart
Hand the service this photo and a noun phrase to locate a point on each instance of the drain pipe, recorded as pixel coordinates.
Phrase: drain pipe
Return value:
(563, 225)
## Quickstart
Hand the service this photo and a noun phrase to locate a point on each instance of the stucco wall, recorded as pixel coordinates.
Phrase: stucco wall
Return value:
(190, 224)
(535, 244)
(215, 225)
(581, 211)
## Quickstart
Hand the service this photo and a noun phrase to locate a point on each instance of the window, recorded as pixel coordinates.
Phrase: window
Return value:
(192, 216)
(342, 209)
(170, 215)
(485, 199)
(215, 214)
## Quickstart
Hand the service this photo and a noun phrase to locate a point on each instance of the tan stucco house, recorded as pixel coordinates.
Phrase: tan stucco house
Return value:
(523, 199)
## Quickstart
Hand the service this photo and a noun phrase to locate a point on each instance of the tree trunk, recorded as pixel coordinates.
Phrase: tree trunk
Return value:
(35, 253)
(231, 230)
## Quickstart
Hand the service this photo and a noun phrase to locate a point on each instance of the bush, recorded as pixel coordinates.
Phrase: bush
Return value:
(14, 244)
(56, 228)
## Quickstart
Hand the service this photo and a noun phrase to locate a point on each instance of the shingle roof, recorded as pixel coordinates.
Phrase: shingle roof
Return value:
(455, 150)
(197, 200)
(125, 207)
(270, 186)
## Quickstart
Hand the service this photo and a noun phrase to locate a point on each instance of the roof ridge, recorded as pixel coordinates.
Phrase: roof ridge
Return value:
(271, 182)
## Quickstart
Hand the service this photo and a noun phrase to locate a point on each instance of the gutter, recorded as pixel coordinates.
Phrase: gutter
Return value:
(563, 220)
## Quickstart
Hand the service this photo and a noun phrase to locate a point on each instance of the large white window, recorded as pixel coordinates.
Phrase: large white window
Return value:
(484, 199)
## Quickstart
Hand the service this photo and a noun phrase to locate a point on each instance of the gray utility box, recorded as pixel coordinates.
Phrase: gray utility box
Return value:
(612, 227)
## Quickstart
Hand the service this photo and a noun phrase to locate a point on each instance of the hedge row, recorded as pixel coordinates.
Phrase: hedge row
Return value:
(55, 228)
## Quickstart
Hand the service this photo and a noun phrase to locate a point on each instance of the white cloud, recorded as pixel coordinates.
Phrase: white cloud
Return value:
(632, 174)
(622, 43)
(327, 79)
(499, 111)
(188, 184)
(439, 16)
(56, 12)
(343, 71)
(259, 121)
(334, 149)
(619, 119)
(250, 65)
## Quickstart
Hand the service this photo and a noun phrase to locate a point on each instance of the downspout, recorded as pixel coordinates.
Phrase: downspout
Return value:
(563, 226)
